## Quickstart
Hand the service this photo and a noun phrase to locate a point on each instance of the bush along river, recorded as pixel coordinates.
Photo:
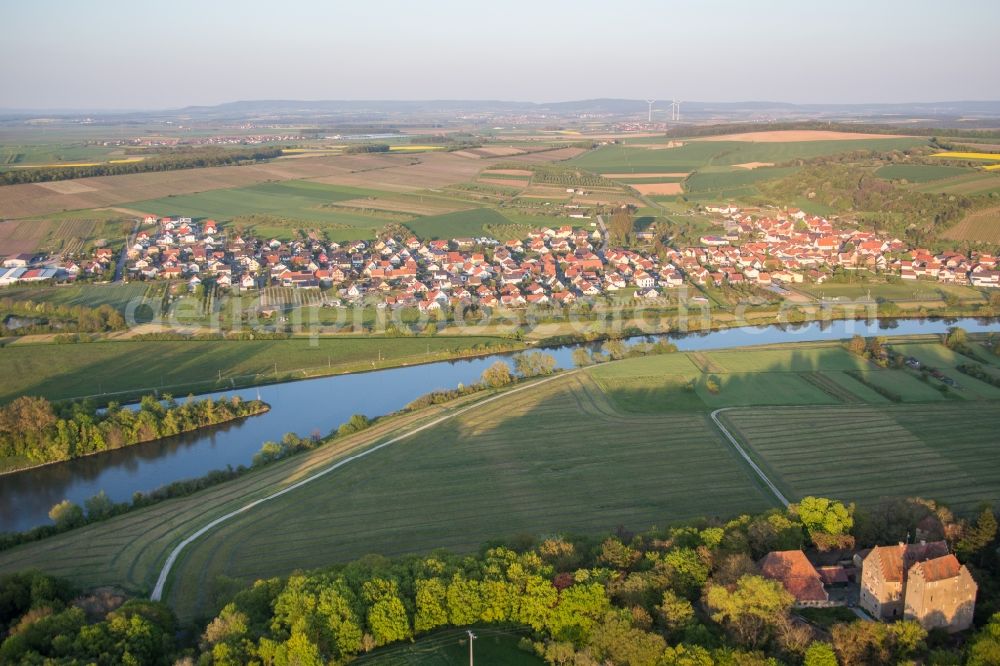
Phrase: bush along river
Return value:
(317, 406)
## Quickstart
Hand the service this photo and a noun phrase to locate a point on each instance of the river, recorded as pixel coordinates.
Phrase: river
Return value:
(319, 405)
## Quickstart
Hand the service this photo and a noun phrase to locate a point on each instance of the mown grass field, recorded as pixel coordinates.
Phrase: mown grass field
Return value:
(945, 451)
(64, 371)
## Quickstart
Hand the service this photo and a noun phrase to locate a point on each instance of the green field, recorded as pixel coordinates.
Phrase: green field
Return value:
(464, 223)
(694, 155)
(976, 182)
(301, 202)
(494, 646)
(903, 290)
(944, 451)
(64, 371)
(117, 295)
(919, 173)
(727, 180)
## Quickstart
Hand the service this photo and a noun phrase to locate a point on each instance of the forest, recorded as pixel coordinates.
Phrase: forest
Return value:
(35, 431)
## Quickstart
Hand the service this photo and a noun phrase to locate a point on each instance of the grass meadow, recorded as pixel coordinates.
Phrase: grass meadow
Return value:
(59, 372)
(943, 451)
(920, 173)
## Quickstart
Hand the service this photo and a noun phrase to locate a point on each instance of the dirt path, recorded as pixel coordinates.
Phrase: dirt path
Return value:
(740, 450)
(175, 553)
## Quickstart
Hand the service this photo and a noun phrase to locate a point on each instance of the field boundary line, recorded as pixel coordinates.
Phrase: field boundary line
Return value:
(175, 553)
(740, 450)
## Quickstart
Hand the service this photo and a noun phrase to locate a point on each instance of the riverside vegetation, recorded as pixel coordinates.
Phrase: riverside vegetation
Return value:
(34, 431)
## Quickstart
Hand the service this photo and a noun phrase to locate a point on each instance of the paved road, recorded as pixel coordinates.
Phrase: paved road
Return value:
(604, 235)
(740, 450)
(175, 553)
(129, 241)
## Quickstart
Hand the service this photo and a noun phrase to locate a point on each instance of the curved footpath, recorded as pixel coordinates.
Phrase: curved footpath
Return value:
(175, 553)
(740, 450)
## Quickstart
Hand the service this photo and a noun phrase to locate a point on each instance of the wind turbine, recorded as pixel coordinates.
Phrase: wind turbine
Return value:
(651, 102)
(675, 110)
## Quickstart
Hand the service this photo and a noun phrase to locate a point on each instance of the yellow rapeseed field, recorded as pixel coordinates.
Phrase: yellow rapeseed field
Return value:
(969, 156)
(992, 167)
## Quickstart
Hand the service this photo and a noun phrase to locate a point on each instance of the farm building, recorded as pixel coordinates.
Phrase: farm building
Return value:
(793, 570)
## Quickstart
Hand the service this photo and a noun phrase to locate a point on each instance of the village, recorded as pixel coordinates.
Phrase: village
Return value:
(552, 266)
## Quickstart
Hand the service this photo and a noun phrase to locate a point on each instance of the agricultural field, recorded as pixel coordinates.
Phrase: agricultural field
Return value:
(903, 290)
(945, 451)
(971, 183)
(475, 222)
(61, 371)
(982, 225)
(919, 173)
(17, 236)
(119, 296)
(381, 172)
(695, 155)
(960, 155)
(708, 181)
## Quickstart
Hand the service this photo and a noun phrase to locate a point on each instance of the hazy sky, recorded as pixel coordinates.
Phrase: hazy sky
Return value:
(158, 54)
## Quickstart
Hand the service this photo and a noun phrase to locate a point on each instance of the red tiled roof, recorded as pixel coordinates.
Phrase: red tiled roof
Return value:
(938, 568)
(796, 573)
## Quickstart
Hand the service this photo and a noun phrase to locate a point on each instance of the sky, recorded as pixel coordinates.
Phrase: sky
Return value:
(152, 54)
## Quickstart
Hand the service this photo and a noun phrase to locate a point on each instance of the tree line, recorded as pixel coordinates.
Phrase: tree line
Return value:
(34, 430)
(180, 159)
(688, 595)
(44, 317)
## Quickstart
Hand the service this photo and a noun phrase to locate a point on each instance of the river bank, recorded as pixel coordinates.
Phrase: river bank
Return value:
(317, 405)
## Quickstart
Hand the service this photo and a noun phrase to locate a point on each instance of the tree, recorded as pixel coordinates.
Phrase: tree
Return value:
(432, 604)
(533, 364)
(387, 619)
(820, 654)
(985, 647)
(66, 515)
(497, 375)
(751, 611)
(675, 612)
(582, 358)
(857, 345)
(956, 337)
(978, 536)
(99, 506)
(820, 514)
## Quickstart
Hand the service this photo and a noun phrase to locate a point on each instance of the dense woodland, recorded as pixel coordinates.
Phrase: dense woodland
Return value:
(187, 158)
(34, 430)
(688, 595)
